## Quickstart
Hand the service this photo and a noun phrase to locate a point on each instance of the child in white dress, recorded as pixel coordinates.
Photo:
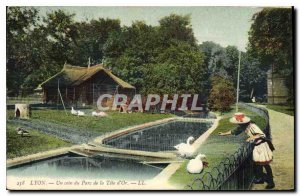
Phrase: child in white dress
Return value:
(262, 151)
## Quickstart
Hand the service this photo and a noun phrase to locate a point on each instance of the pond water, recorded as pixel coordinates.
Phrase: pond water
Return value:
(161, 137)
(74, 166)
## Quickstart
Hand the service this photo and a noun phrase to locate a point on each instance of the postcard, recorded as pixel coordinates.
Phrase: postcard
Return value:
(150, 98)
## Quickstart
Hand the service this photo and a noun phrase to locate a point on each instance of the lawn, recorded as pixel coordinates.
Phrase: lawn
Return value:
(216, 148)
(114, 121)
(286, 109)
(37, 142)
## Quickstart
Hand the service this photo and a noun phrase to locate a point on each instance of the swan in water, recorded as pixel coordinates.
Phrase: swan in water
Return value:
(186, 149)
(195, 166)
(74, 112)
(188, 142)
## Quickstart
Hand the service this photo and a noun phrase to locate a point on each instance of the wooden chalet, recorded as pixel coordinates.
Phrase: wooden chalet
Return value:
(83, 85)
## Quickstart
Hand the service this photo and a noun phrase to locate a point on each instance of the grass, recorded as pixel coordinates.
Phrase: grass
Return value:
(19, 146)
(286, 109)
(114, 121)
(37, 142)
(216, 148)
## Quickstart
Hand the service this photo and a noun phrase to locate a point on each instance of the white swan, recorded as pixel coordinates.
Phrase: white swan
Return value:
(195, 166)
(99, 114)
(186, 149)
(188, 142)
(74, 112)
(80, 113)
(102, 114)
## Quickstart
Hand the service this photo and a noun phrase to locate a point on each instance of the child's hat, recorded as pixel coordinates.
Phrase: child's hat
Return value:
(239, 118)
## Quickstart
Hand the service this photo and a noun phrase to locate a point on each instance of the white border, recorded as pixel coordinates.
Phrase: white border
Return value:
(4, 3)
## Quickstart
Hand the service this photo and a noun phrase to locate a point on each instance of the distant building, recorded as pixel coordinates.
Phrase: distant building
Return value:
(83, 85)
(277, 89)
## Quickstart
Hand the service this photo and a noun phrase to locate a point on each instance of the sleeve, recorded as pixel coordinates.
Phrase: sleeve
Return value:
(237, 130)
(255, 130)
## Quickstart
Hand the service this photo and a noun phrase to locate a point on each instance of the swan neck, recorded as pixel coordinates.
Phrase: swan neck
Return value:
(189, 141)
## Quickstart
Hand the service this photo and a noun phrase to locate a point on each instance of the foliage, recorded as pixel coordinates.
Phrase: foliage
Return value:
(127, 52)
(176, 27)
(214, 58)
(270, 38)
(221, 95)
(138, 49)
(179, 69)
(38, 47)
(159, 59)
(20, 22)
(253, 80)
(224, 61)
(271, 41)
(90, 39)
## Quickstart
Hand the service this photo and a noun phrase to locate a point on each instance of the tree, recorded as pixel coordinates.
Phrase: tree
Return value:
(20, 24)
(215, 58)
(61, 33)
(139, 46)
(231, 62)
(271, 41)
(176, 27)
(128, 51)
(179, 69)
(90, 39)
(253, 80)
(50, 47)
(270, 38)
(221, 95)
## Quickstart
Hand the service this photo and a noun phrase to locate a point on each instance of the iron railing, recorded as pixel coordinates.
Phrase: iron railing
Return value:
(236, 171)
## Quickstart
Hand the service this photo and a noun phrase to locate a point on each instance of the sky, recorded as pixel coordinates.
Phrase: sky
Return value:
(223, 25)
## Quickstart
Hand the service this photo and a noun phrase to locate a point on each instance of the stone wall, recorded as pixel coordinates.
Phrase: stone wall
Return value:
(277, 89)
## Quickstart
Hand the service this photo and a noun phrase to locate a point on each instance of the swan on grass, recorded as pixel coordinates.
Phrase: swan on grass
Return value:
(74, 112)
(195, 166)
(99, 114)
(186, 149)
(80, 113)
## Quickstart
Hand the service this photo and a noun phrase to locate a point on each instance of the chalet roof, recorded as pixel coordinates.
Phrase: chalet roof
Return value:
(75, 75)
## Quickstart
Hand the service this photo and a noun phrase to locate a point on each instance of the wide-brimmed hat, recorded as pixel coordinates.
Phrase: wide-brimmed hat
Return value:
(239, 118)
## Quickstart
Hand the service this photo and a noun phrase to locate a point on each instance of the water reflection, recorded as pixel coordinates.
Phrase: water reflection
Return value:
(161, 137)
(70, 166)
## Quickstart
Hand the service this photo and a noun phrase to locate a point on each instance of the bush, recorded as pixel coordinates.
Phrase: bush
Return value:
(221, 95)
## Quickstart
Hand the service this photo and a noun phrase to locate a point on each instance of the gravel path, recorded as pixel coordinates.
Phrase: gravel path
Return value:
(282, 131)
(74, 135)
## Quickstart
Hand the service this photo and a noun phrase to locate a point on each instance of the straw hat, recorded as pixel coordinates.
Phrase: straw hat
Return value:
(239, 118)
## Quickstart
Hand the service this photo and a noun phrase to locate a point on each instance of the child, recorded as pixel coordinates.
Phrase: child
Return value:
(262, 151)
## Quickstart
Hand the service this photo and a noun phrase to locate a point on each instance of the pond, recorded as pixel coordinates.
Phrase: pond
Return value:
(162, 137)
(98, 167)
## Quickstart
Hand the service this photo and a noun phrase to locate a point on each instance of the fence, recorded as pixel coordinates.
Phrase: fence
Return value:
(236, 171)
(29, 99)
